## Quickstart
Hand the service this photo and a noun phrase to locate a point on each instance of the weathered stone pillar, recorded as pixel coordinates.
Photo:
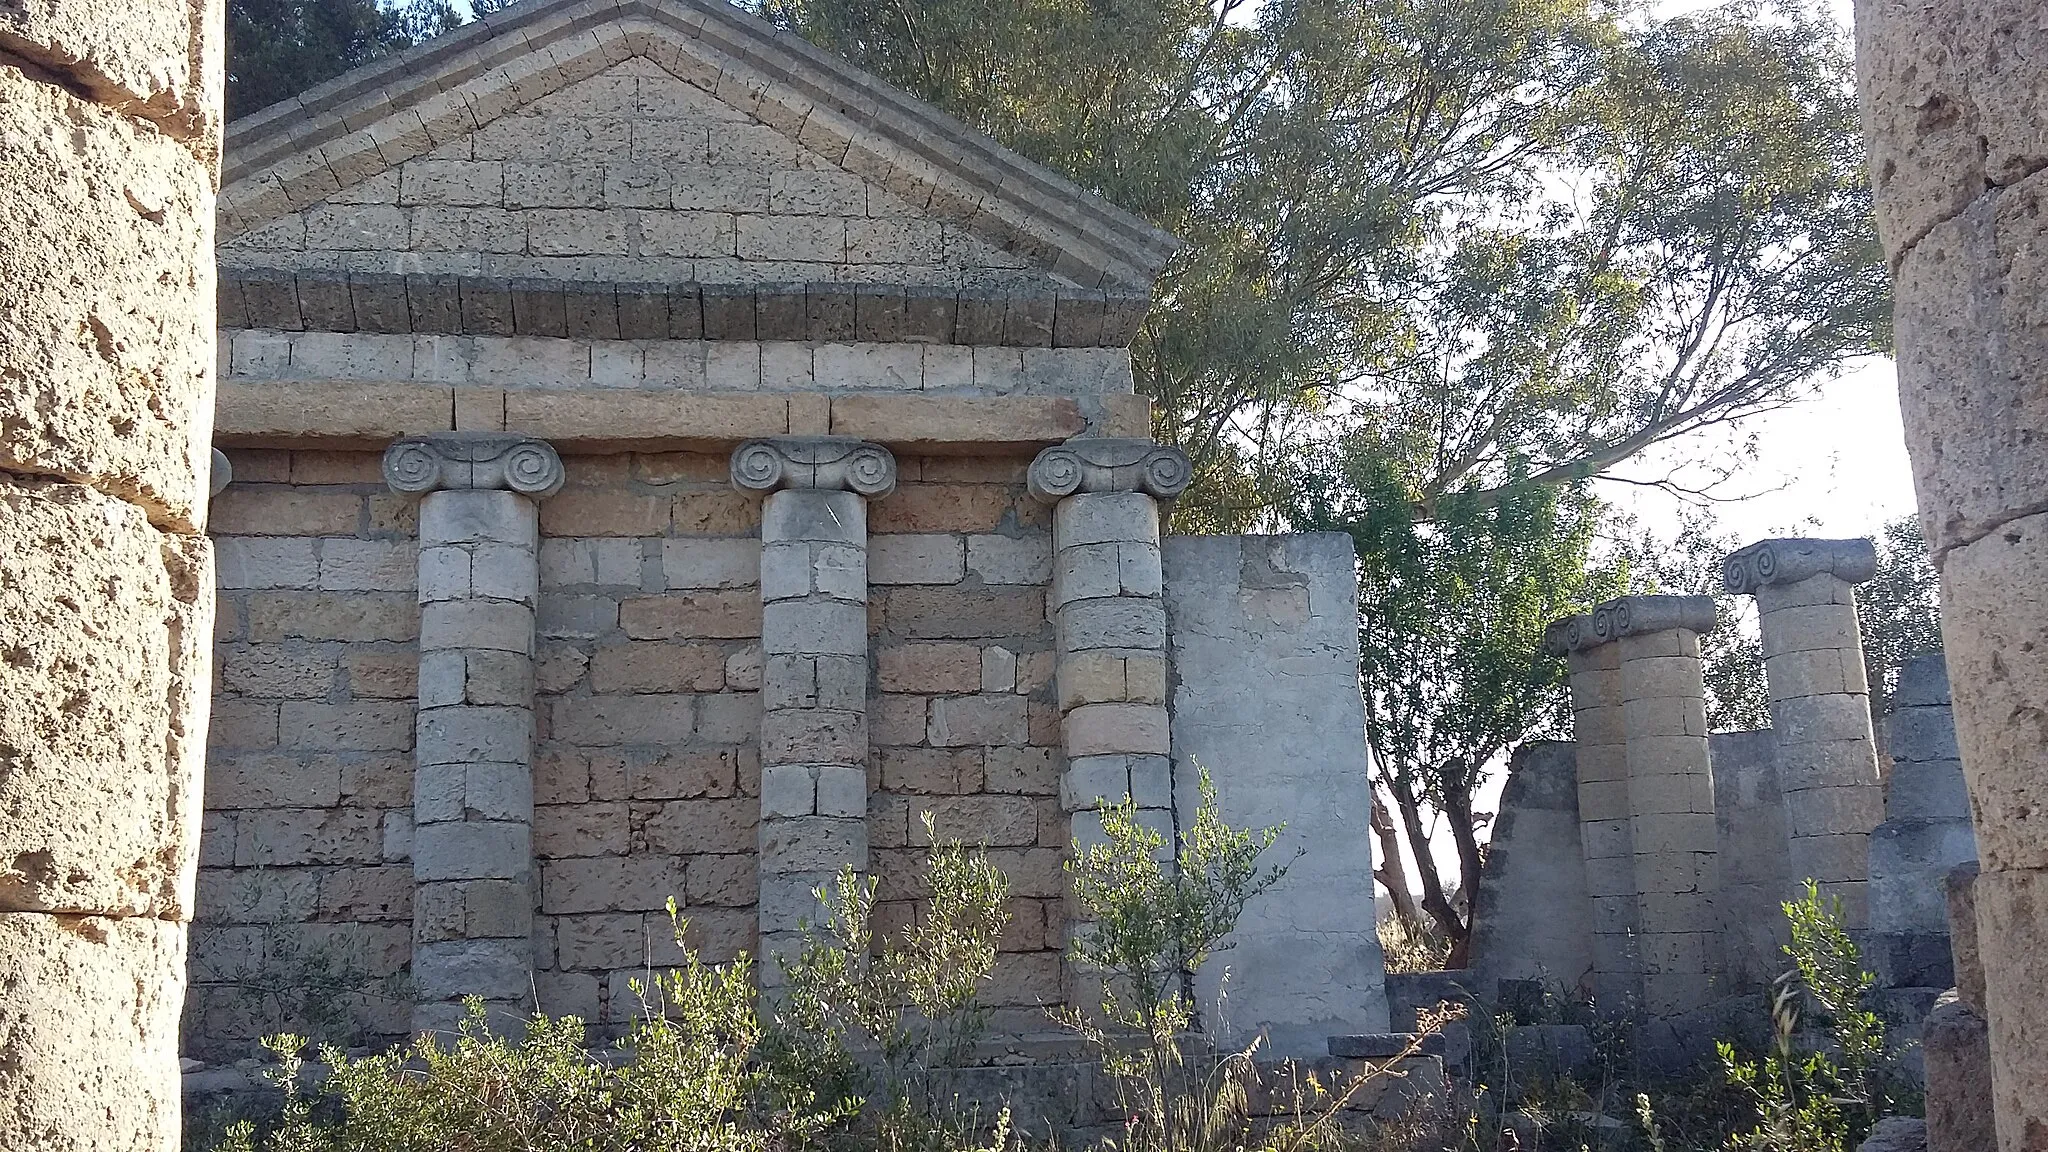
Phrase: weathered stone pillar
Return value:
(479, 579)
(1954, 95)
(1109, 621)
(1670, 792)
(814, 687)
(1605, 840)
(1820, 706)
(109, 154)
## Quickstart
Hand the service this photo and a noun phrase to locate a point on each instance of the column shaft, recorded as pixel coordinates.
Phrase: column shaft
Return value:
(1671, 816)
(479, 582)
(814, 683)
(473, 780)
(1820, 706)
(1606, 841)
(814, 731)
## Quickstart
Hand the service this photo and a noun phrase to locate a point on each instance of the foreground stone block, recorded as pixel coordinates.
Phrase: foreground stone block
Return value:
(1955, 1049)
(107, 340)
(89, 820)
(89, 1008)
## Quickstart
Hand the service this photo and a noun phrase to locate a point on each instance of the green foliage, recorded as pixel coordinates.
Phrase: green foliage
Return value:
(1826, 1100)
(279, 48)
(1152, 918)
(1689, 564)
(699, 1070)
(1488, 235)
(1899, 609)
(910, 1001)
(1452, 612)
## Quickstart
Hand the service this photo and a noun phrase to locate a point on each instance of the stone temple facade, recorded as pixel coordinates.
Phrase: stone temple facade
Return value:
(668, 463)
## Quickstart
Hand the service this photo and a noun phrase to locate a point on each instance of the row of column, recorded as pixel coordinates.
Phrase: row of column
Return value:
(478, 581)
(1645, 779)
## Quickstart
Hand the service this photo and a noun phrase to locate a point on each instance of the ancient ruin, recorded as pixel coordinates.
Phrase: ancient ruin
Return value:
(669, 463)
(109, 151)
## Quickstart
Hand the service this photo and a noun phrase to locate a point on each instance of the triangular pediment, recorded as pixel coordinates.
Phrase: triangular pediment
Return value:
(654, 142)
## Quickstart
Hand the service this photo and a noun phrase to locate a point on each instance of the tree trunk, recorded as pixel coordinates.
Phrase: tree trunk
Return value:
(1433, 901)
(1458, 810)
(1392, 873)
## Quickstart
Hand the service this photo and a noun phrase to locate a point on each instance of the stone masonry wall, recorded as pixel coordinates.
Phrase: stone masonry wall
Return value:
(306, 847)
(647, 775)
(630, 175)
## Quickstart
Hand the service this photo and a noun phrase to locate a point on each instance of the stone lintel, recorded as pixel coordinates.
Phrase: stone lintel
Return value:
(1793, 559)
(1628, 616)
(826, 463)
(1109, 464)
(345, 415)
(465, 461)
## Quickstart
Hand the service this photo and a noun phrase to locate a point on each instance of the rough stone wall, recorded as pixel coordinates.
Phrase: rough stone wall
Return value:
(1756, 862)
(1532, 918)
(109, 150)
(629, 175)
(1263, 646)
(1952, 103)
(1926, 833)
(306, 851)
(963, 721)
(646, 773)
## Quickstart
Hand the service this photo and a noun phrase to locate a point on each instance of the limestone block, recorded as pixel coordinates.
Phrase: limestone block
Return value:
(1995, 613)
(91, 1006)
(107, 339)
(465, 735)
(1105, 517)
(1952, 105)
(492, 969)
(1119, 622)
(1807, 628)
(813, 736)
(813, 844)
(1816, 672)
(818, 627)
(474, 850)
(255, 562)
(1956, 1048)
(701, 563)
(1971, 348)
(789, 790)
(493, 625)
(483, 516)
(1101, 729)
(830, 517)
(978, 720)
(1815, 811)
(89, 815)
(2012, 938)
(916, 559)
(1010, 559)
(842, 791)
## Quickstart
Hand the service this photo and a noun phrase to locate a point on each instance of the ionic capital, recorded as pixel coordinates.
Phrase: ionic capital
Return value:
(820, 462)
(1109, 464)
(464, 461)
(1628, 616)
(1792, 560)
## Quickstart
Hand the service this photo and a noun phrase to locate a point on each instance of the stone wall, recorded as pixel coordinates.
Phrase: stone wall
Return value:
(1532, 918)
(1925, 834)
(646, 771)
(1263, 644)
(630, 175)
(109, 157)
(1756, 862)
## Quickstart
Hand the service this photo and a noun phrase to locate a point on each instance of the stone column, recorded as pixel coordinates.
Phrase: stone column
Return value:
(1954, 94)
(109, 154)
(1605, 841)
(1670, 792)
(814, 686)
(1109, 622)
(479, 578)
(1820, 706)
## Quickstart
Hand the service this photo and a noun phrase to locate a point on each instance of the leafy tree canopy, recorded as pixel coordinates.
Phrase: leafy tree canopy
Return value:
(1500, 238)
(279, 48)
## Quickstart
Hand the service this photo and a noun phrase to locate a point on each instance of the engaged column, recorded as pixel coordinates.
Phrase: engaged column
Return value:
(814, 636)
(473, 781)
